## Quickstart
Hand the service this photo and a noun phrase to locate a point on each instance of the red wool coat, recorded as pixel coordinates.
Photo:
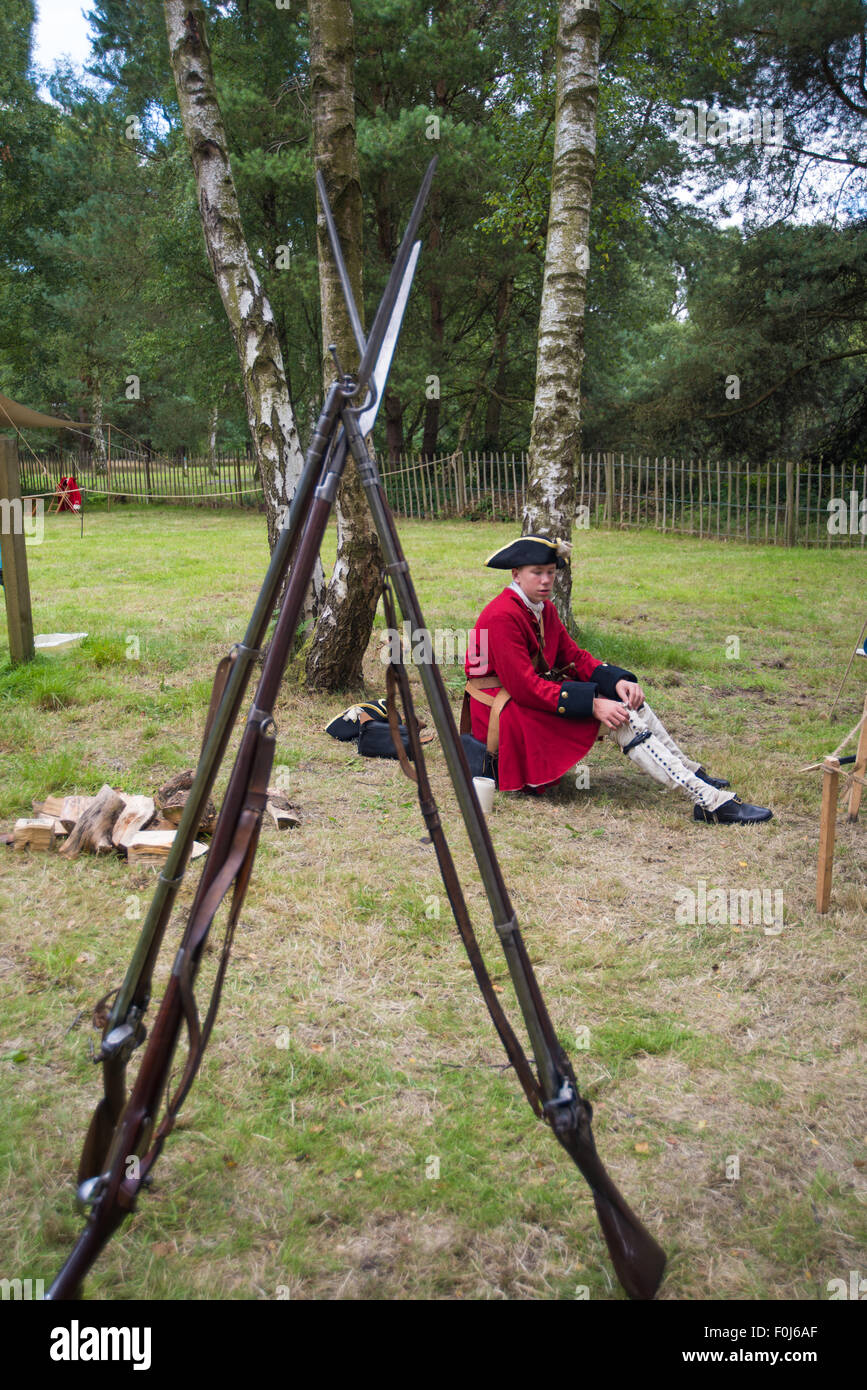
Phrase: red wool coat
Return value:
(536, 744)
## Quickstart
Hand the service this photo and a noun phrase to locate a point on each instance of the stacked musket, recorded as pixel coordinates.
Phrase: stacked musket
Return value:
(124, 1127)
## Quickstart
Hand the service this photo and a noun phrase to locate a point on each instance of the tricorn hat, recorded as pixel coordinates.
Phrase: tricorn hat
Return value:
(347, 726)
(530, 550)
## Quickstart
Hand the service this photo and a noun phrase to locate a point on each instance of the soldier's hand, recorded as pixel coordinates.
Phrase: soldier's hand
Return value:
(611, 713)
(630, 693)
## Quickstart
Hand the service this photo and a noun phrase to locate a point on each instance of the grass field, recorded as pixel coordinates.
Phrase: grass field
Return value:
(354, 1132)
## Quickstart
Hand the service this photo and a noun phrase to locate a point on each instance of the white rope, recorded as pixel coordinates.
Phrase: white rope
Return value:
(839, 749)
(160, 496)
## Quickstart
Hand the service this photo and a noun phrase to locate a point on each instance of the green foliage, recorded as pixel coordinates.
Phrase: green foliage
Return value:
(104, 276)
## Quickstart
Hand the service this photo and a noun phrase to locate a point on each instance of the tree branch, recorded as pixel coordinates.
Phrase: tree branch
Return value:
(807, 366)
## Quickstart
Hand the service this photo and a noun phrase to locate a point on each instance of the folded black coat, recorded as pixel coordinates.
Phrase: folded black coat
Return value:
(375, 741)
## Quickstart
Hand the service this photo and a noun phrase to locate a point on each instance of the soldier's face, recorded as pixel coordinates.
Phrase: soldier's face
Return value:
(537, 581)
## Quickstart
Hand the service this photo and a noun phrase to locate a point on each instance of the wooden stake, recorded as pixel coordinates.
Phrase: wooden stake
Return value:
(16, 588)
(860, 769)
(827, 831)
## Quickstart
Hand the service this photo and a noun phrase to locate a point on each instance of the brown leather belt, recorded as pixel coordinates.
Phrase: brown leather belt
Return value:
(477, 690)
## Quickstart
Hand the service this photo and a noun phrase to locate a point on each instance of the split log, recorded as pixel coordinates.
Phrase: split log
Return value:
(181, 782)
(34, 834)
(138, 811)
(67, 809)
(92, 830)
(172, 798)
(285, 815)
(152, 847)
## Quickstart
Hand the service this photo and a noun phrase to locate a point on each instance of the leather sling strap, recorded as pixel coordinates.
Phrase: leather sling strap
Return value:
(393, 723)
(396, 678)
(477, 689)
(221, 679)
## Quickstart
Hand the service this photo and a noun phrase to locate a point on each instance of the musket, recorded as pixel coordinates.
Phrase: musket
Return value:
(554, 1096)
(638, 1259)
(123, 1141)
(124, 1029)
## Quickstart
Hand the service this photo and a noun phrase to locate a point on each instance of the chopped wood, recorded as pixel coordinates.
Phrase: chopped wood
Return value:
(92, 830)
(67, 809)
(285, 814)
(34, 834)
(172, 797)
(181, 782)
(138, 811)
(152, 847)
(173, 809)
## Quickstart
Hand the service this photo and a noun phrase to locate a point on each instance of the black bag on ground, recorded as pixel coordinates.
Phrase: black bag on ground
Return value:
(375, 741)
(482, 763)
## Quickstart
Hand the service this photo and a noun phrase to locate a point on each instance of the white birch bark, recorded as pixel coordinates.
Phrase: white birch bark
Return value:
(556, 429)
(97, 434)
(346, 619)
(213, 421)
(269, 412)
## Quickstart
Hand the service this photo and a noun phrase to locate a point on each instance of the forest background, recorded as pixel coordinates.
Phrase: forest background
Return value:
(726, 284)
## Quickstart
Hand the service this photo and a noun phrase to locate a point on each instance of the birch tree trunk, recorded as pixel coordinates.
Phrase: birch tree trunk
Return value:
(556, 430)
(97, 434)
(269, 412)
(346, 618)
(213, 421)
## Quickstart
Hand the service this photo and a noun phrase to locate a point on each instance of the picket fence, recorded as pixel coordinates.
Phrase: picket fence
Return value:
(776, 502)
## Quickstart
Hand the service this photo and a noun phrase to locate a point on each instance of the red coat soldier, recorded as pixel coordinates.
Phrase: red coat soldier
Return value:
(540, 702)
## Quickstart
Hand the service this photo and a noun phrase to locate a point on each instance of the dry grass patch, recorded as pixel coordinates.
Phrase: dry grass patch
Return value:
(352, 1045)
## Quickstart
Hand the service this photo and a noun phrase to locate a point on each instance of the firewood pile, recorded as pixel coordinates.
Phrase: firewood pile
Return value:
(139, 828)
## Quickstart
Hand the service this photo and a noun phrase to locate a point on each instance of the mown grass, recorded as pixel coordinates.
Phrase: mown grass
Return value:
(352, 1049)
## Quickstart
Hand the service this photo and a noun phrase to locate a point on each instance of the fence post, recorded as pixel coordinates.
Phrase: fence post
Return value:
(16, 589)
(791, 518)
(609, 489)
(827, 832)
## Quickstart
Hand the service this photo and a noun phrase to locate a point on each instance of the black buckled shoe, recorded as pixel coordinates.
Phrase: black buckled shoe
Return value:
(719, 782)
(734, 812)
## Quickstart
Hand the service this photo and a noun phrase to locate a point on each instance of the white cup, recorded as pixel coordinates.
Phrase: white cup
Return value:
(485, 788)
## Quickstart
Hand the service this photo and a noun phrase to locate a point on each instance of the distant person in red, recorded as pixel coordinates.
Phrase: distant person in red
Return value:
(71, 500)
(551, 700)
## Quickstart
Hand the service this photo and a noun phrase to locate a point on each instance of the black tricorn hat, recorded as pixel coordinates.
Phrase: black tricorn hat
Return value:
(346, 726)
(530, 550)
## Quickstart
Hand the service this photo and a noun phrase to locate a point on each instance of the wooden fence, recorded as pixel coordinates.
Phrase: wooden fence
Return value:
(775, 503)
(231, 480)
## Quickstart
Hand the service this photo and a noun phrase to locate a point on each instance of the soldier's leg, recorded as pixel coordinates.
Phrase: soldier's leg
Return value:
(658, 729)
(664, 763)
